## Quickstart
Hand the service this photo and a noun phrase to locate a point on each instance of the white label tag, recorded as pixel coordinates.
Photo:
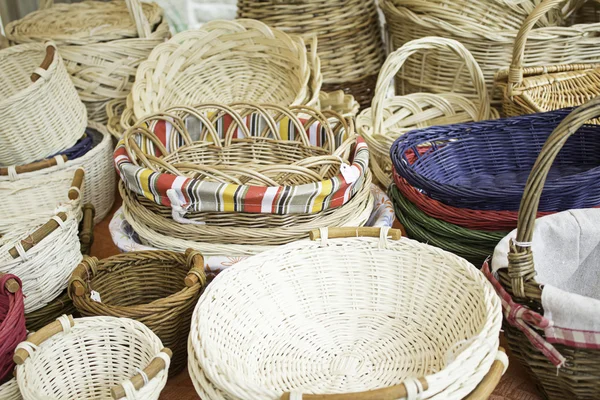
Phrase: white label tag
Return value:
(350, 173)
(95, 296)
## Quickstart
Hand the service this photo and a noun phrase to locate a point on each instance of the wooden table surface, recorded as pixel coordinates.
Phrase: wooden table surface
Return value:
(514, 385)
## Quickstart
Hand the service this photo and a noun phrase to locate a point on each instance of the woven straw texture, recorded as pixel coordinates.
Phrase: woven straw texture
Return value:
(32, 197)
(390, 118)
(61, 305)
(488, 30)
(580, 376)
(484, 165)
(10, 390)
(350, 45)
(12, 324)
(102, 44)
(300, 301)
(545, 87)
(147, 286)
(38, 118)
(225, 62)
(86, 360)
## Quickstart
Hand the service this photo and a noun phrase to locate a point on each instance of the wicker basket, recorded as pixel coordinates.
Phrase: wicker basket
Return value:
(92, 358)
(548, 87)
(31, 193)
(41, 113)
(389, 118)
(61, 305)
(10, 390)
(102, 43)
(12, 331)
(225, 62)
(488, 30)
(161, 292)
(579, 377)
(299, 302)
(350, 45)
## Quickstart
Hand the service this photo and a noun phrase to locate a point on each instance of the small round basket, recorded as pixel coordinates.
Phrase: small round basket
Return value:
(92, 358)
(157, 288)
(345, 313)
(12, 332)
(41, 112)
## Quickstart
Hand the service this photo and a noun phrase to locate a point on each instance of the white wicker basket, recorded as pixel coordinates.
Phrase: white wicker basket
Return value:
(92, 358)
(39, 118)
(10, 390)
(345, 314)
(32, 197)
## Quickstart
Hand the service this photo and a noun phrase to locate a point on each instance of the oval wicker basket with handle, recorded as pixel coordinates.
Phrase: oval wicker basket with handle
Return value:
(102, 43)
(388, 118)
(157, 288)
(41, 113)
(92, 358)
(12, 332)
(545, 87)
(336, 315)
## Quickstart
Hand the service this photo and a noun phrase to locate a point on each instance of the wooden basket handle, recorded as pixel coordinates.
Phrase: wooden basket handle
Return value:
(486, 387)
(80, 275)
(35, 166)
(86, 236)
(50, 52)
(196, 265)
(520, 257)
(40, 337)
(348, 232)
(39, 234)
(396, 60)
(76, 184)
(11, 284)
(154, 368)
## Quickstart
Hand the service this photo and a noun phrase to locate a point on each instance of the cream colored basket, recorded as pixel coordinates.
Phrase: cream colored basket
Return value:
(93, 358)
(32, 196)
(40, 112)
(345, 313)
(102, 43)
(389, 118)
(10, 390)
(225, 62)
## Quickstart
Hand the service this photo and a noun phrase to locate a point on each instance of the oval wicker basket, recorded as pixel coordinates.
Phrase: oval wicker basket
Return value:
(12, 329)
(299, 302)
(41, 112)
(545, 87)
(92, 358)
(389, 118)
(225, 62)
(488, 31)
(161, 292)
(102, 43)
(31, 193)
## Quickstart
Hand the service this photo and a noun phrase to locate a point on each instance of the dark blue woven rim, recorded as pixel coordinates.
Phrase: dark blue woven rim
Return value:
(484, 165)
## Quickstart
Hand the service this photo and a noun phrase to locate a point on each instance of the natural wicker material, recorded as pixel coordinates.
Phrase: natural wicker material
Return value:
(545, 87)
(62, 305)
(147, 286)
(299, 303)
(31, 197)
(12, 323)
(488, 30)
(10, 390)
(579, 378)
(38, 118)
(87, 358)
(350, 45)
(102, 43)
(338, 101)
(389, 118)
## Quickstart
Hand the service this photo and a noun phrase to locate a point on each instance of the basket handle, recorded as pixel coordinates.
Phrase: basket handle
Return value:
(79, 276)
(39, 234)
(35, 166)
(86, 236)
(396, 60)
(50, 53)
(348, 232)
(196, 275)
(139, 380)
(40, 337)
(76, 184)
(520, 257)
(136, 12)
(11, 285)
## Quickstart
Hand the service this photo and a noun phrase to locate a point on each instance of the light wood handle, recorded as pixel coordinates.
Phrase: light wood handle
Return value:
(38, 235)
(39, 337)
(86, 237)
(346, 232)
(389, 393)
(485, 388)
(155, 366)
(77, 183)
(11, 285)
(36, 166)
(198, 266)
(50, 51)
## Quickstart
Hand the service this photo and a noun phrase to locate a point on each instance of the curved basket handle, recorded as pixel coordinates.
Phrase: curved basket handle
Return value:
(154, 368)
(196, 275)
(348, 232)
(11, 285)
(50, 53)
(486, 387)
(396, 60)
(520, 257)
(137, 14)
(77, 282)
(40, 337)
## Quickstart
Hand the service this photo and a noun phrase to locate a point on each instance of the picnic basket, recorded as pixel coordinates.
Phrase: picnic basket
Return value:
(545, 87)
(389, 118)
(12, 332)
(299, 309)
(91, 358)
(102, 43)
(225, 62)
(488, 30)
(41, 112)
(161, 292)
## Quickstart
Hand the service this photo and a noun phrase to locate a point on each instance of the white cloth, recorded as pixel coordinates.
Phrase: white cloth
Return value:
(566, 252)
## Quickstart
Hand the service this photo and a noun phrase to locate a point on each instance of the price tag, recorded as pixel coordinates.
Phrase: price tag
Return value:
(95, 296)
(350, 173)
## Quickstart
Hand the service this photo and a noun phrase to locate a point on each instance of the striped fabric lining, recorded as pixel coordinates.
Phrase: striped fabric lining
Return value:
(200, 195)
